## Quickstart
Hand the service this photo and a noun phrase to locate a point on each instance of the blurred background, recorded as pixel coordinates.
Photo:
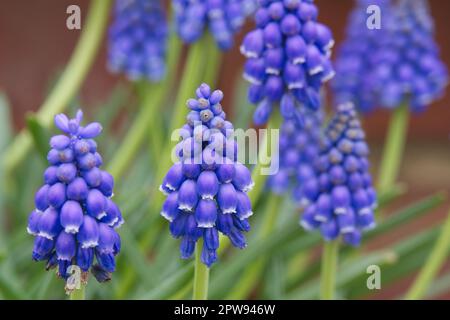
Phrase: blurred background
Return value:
(35, 45)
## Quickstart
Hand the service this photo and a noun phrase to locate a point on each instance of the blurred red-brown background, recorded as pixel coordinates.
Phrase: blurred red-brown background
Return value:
(35, 44)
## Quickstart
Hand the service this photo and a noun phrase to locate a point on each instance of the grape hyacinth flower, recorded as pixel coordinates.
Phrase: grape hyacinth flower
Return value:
(138, 40)
(398, 63)
(341, 197)
(207, 188)
(75, 218)
(223, 18)
(299, 148)
(288, 58)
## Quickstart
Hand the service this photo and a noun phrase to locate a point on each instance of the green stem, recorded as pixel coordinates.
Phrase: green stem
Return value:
(435, 261)
(144, 122)
(78, 294)
(393, 148)
(201, 275)
(328, 272)
(69, 83)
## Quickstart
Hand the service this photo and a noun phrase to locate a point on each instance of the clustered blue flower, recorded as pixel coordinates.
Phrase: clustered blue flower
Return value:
(207, 187)
(399, 63)
(75, 218)
(223, 18)
(341, 197)
(288, 58)
(299, 147)
(138, 40)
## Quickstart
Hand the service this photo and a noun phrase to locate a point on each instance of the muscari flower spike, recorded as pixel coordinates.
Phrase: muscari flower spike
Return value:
(75, 218)
(138, 40)
(341, 197)
(224, 18)
(398, 63)
(299, 148)
(207, 188)
(288, 58)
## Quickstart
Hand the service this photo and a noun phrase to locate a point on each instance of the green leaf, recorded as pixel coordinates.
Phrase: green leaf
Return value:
(39, 134)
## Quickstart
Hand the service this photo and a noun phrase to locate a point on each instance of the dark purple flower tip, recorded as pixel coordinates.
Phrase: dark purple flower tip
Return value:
(341, 200)
(274, 88)
(262, 112)
(224, 223)
(177, 226)
(66, 172)
(170, 207)
(337, 175)
(56, 195)
(207, 185)
(62, 122)
(308, 220)
(241, 224)
(206, 213)
(253, 44)
(187, 247)
(227, 198)
(92, 130)
(244, 206)
(272, 35)
(203, 91)
(87, 162)
(313, 60)
(216, 97)
(33, 222)
(347, 222)
(366, 221)
(187, 195)
(71, 217)
(208, 256)
(352, 238)
(191, 228)
(225, 172)
(290, 25)
(65, 246)
(100, 274)
(82, 147)
(174, 177)
(88, 235)
(255, 93)
(237, 238)
(190, 169)
(107, 238)
(107, 184)
(276, 10)
(77, 190)
(50, 176)
(106, 261)
(59, 142)
(48, 224)
(287, 106)
(94, 179)
(113, 214)
(96, 204)
(41, 198)
(51, 261)
(324, 208)
(211, 238)
(329, 230)
(85, 258)
(42, 248)
(307, 11)
(242, 179)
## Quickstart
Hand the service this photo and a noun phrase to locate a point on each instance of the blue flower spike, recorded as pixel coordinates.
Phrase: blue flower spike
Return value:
(299, 147)
(207, 187)
(75, 220)
(340, 197)
(138, 40)
(398, 63)
(223, 18)
(288, 58)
